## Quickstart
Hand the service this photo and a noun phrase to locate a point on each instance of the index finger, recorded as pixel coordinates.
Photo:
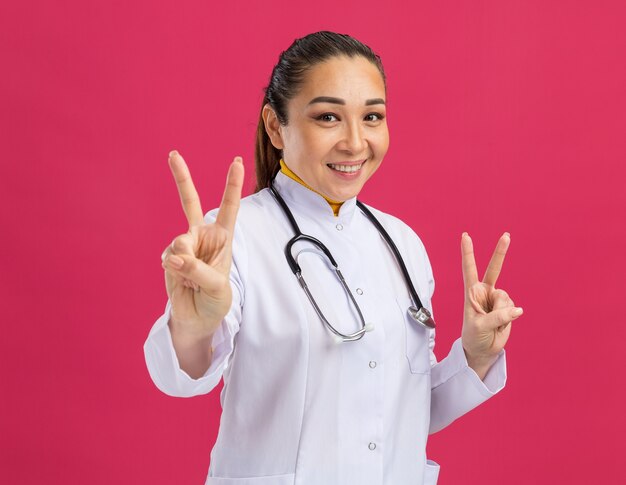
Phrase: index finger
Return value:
(470, 273)
(497, 259)
(227, 214)
(186, 189)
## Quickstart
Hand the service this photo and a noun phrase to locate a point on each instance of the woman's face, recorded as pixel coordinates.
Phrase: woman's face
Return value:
(336, 135)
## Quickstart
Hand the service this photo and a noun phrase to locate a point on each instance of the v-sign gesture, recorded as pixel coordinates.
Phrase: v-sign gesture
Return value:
(488, 311)
(197, 263)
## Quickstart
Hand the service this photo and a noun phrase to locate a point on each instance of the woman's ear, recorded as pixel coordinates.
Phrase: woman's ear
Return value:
(272, 126)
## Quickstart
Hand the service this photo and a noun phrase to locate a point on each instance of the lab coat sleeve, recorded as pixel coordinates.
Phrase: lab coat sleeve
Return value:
(160, 355)
(457, 389)
(163, 364)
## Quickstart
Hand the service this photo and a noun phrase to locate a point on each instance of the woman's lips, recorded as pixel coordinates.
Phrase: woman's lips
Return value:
(346, 169)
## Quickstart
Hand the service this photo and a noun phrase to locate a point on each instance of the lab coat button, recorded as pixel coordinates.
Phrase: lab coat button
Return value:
(372, 364)
(372, 446)
(359, 291)
(339, 227)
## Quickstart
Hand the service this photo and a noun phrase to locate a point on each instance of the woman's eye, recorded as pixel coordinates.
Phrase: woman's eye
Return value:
(377, 115)
(326, 116)
(329, 117)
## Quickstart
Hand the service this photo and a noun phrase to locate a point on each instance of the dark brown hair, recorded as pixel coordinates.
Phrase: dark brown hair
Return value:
(287, 77)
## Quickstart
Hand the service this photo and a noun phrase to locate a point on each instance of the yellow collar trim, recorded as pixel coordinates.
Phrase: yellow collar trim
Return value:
(334, 204)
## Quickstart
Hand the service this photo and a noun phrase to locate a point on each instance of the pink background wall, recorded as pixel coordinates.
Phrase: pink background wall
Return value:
(507, 116)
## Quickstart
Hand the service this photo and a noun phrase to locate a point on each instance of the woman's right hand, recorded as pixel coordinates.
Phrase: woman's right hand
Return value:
(197, 263)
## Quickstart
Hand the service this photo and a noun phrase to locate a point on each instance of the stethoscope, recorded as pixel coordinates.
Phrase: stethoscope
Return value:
(418, 312)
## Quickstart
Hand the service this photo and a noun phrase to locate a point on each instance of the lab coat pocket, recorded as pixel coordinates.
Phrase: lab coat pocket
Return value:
(431, 473)
(417, 339)
(287, 479)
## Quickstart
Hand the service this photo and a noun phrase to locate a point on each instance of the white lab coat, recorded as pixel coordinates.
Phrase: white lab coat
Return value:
(299, 409)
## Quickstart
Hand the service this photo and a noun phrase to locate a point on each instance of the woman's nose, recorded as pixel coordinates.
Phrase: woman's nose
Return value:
(353, 138)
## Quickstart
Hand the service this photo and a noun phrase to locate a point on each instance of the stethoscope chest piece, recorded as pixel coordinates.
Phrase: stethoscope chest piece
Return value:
(422, 316)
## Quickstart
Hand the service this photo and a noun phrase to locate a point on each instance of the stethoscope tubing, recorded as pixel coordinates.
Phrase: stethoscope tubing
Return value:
(419, 313)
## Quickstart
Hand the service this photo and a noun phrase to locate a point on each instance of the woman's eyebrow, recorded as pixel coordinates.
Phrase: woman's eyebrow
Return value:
(330, 99)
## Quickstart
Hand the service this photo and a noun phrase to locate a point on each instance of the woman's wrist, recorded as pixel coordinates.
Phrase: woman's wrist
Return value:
(480, 363)
(191, 335)
(194, 350)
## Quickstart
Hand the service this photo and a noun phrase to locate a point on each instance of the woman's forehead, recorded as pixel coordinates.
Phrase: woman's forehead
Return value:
(350, 78)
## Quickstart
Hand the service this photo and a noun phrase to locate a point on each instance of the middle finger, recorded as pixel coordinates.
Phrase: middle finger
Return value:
(497, 260)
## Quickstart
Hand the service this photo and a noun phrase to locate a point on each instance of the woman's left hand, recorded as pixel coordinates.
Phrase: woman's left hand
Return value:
(488, 311)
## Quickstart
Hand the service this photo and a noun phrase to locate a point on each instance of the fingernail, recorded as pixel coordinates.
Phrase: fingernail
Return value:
(506, 234)
(464, 234)
(517, 311)
(239, 159)
(173, 153)
(176, 261)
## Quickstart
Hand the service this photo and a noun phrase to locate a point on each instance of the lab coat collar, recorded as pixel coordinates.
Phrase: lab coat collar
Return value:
(313, 204)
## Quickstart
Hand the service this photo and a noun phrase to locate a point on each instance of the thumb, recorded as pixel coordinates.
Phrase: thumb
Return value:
(200, 273)
(504, 316)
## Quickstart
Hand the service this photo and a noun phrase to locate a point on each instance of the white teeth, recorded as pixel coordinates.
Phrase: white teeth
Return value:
(345, 168)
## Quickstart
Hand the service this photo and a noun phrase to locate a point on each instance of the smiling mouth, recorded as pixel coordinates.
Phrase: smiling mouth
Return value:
(345, 168)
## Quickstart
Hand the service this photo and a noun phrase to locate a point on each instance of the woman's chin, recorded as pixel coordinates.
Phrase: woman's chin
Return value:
(343, 195)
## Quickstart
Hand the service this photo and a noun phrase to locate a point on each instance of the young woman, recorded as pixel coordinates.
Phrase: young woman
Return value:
(314, 308)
